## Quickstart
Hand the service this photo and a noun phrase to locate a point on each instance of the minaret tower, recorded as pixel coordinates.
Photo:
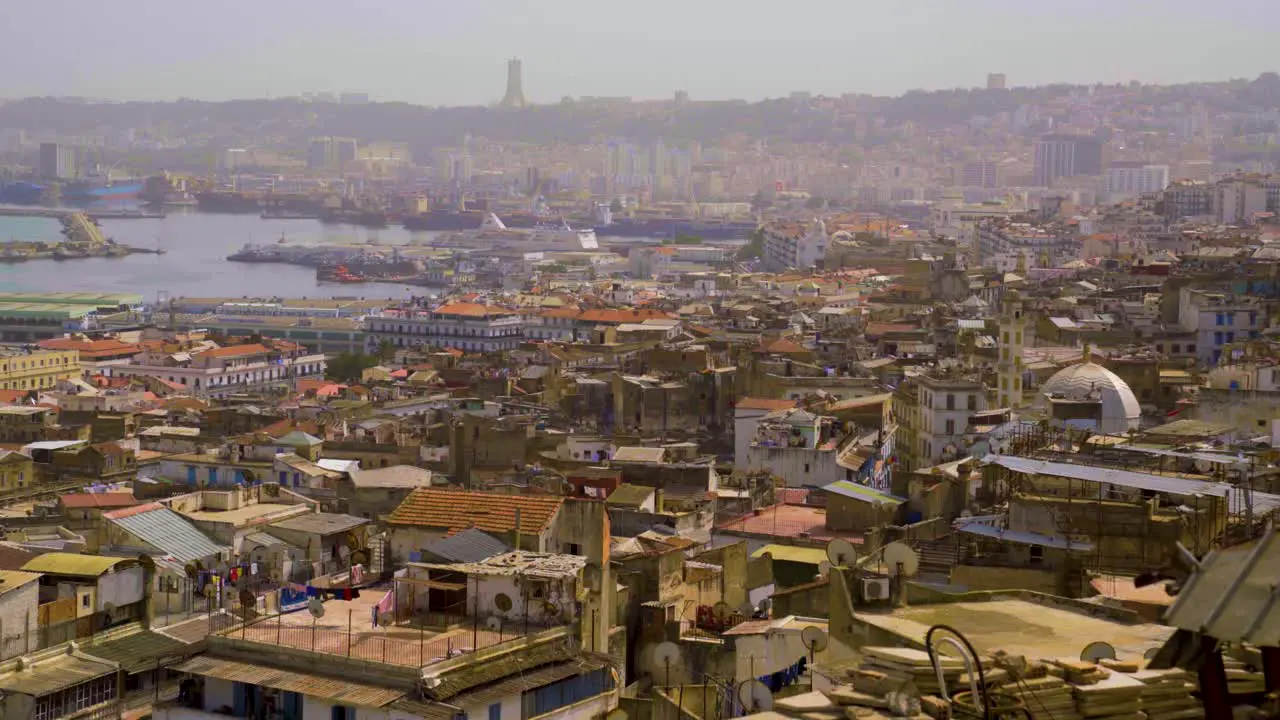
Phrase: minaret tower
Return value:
(515, 85)
(1013, 324)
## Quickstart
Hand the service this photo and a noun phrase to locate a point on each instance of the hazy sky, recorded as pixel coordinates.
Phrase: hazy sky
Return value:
(454, 52)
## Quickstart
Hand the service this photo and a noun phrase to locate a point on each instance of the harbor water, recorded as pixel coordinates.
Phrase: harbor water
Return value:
(194, 263)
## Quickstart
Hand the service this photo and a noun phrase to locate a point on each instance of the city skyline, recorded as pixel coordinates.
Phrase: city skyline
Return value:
(437, 54)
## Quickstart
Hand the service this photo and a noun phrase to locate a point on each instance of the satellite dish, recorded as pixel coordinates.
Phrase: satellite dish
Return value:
(747, 610)
(841, 553)
(315, 606)
(1095, 651)
(755, 696)
(502, 601)
(814, 638)
(664, 656)
(899, 554)
(824, 568)
(494, 623)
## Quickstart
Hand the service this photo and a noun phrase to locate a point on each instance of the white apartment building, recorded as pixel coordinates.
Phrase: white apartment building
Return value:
(470, 327)
(1125, 181)
(224, 371)
(945, 405)
(1218, 319)
(789, 246)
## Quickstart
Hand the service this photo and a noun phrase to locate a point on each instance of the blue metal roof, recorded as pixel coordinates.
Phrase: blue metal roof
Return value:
(170, 533)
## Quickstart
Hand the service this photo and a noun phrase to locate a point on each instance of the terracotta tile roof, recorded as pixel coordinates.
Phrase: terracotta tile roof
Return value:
(98, 500)
(783, 346)
(560, 313)
(621, 316)
(135, 510)
(461, 509)
(752, 403)
(91, 349)
(879, 328)
(788, 521)
(236, 351)
(470, 309)
(12, 397)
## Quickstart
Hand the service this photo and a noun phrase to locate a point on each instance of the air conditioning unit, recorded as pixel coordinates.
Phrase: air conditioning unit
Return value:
(875, 588)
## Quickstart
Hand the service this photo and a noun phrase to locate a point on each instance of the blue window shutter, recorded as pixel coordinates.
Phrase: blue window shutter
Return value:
(239, 699)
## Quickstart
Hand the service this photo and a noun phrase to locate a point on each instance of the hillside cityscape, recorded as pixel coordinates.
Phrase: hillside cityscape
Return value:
(951, 404)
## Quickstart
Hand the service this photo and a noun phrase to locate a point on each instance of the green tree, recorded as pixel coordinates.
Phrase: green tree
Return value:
(347, 367)
(386, 351)
(615, 205)
(754, 247)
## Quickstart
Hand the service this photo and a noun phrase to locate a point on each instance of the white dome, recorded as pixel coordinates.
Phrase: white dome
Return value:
(1120, 409)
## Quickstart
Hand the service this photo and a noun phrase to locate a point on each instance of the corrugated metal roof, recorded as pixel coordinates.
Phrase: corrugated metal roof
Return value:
(170, 532)
(140, 650)
(1231, 597)
(862, 492)
(320, 523)
(57, 563)
(1123, 478)
(468, 545)
(61, 672)
(14, 579)
(1022, 537)
(344, 692)
(491, 693)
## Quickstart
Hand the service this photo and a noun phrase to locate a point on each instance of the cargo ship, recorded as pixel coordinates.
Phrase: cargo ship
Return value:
(667, 228)
(71, 193)
(223, 201)
(471, 220)
(364, 218)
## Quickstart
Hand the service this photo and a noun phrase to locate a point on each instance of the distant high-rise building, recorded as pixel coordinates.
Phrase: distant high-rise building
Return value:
(331, 153)
(1059, 156)
(232, 159)
(1125, 180)
(981, 173)
(57, 161)
(515, 85)
(682, 97)
(996, 81)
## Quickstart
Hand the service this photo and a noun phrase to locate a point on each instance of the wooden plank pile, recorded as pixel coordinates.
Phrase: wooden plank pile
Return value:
(902, 666)
(1167, 694)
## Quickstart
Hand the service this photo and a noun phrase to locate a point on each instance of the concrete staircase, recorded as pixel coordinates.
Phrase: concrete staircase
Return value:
(937, 557)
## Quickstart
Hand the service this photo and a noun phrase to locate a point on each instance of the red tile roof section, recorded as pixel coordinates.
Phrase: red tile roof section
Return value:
(461, 509)
(98, 500)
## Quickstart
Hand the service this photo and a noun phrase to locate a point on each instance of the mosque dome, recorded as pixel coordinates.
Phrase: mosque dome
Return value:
(1089, 380)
